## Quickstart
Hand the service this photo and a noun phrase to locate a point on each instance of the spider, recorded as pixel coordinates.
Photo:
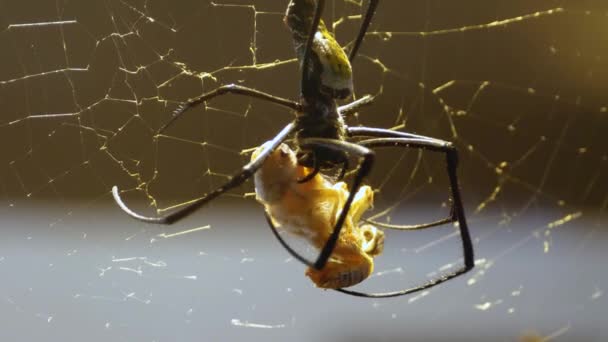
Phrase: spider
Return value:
(322, 139)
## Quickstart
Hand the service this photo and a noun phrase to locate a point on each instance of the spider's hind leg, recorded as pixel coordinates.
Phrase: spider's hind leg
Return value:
(386, 138)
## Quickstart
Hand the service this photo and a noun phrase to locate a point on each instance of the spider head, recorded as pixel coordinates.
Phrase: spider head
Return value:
(276, 174)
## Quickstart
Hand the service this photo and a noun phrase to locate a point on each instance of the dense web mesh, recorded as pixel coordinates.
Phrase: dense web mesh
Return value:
(518, 86)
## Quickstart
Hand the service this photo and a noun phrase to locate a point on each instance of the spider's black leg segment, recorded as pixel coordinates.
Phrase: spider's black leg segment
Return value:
(412, 226)
(364, 169)
(451, 218)
(371, 9)
(284, 244)
(230, 89)
(451, 153)
(310, 176)
(379, 132)
(308, 49)
(418, 141)
(394, 138)
(344, 168)
(352, 107)
(315, 171)
(236, 180)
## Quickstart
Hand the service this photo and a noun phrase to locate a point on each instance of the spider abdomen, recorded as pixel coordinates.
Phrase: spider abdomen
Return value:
(330, 69)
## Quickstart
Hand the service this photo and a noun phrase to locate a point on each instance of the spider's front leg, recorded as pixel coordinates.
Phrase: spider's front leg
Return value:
(236, 180)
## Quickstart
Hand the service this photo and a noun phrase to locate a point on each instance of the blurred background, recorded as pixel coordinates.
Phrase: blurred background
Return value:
(518, 86)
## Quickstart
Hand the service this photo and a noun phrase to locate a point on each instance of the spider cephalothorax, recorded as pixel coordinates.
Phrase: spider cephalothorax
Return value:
(322, 141)
(320, 119)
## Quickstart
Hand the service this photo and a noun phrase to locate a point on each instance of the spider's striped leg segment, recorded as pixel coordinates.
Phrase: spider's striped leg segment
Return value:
(387, 138)
(236, 180)
(229, 89)
(351, 108)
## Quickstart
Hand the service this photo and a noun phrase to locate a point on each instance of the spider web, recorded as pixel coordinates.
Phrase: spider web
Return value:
(518, 86)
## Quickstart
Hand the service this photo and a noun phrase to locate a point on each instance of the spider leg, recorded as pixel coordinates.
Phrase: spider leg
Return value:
(457, 212)
(236, 180)
(393, 138)
(345, 165)
(371, 9)
(229, 89)
(316, 169)
(413, 226)
(364, 168)
(380, 132)
(352, 107)
(308, 49)
(386, 133)
(285, 245)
